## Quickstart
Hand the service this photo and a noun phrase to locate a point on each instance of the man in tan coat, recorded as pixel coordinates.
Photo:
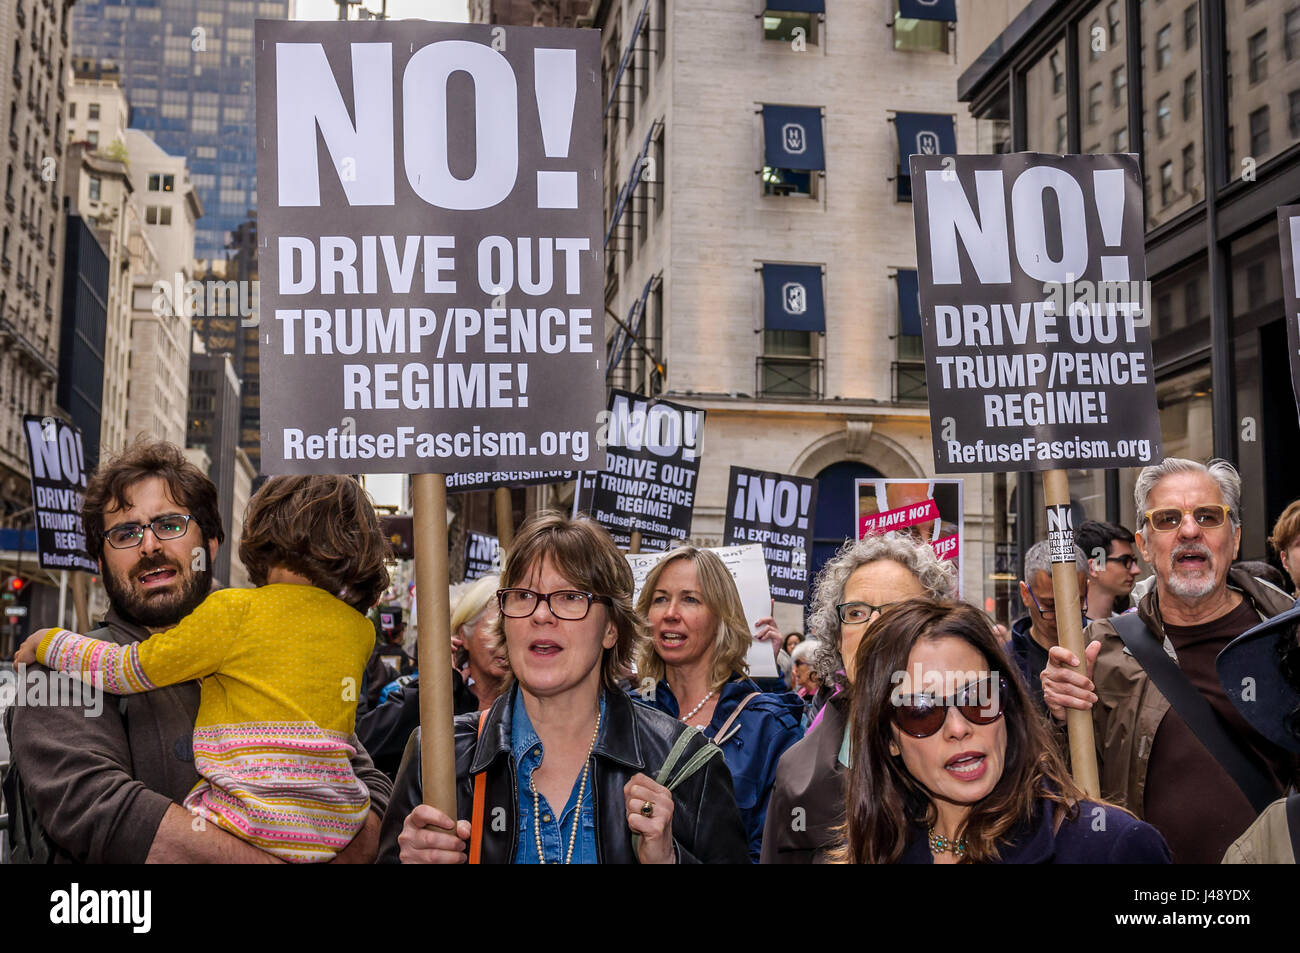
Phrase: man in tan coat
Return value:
(1150, 761)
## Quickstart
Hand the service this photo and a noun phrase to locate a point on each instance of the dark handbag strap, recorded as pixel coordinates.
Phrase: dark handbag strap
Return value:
(1293, 824)
(1258, 787)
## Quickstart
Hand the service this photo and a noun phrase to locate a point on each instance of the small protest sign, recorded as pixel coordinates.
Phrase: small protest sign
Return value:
(930, 510)
(482, 555)
(57, 464)
(746, 565)
(652, 460)
(776, 511)
(1288, 224)
(494, 479)
(1034, 311)
(430, 229)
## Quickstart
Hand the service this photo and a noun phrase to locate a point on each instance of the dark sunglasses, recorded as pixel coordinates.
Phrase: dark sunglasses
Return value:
(980, 703)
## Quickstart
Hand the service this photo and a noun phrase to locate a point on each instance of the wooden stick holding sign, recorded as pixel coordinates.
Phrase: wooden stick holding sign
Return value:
(437, 750)
(505, 517)
(634, 544)
(1069, 625)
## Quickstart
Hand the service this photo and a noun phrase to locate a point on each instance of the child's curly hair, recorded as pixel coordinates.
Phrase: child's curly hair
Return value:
(321, 527)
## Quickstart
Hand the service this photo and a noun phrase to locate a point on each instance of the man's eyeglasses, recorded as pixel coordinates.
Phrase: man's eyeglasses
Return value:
(1045, 613)
(1206, 516)
(1127, 560)
(568, 604)
(129, 535)
(980, 703)
(853, 613)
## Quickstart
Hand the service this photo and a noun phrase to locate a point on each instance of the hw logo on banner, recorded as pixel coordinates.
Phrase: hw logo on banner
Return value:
(794, 137)
(927, 143)
(794, 297)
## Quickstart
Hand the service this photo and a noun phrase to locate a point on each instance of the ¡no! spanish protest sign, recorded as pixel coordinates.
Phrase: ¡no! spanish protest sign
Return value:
(430, 215)
(1034, 311)
(775, 510)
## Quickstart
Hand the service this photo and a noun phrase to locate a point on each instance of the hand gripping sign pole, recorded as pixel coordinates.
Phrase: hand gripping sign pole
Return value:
(1069, 625)
(437, 750)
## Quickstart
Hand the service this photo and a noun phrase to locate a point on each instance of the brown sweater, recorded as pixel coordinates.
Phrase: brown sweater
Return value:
(100, 785)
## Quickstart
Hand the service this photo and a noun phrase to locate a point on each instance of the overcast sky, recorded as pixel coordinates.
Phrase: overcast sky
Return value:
(457, 10)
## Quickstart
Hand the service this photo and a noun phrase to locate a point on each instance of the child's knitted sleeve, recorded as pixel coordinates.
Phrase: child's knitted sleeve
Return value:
(195, 647)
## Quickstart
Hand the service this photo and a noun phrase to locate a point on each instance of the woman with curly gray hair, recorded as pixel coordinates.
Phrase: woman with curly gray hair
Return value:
(850, 592)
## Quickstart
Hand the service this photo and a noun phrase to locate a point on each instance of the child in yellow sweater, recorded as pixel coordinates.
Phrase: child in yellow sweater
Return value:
(280, 665)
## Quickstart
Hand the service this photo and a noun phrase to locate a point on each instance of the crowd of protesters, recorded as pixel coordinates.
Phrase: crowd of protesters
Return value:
(596, 724)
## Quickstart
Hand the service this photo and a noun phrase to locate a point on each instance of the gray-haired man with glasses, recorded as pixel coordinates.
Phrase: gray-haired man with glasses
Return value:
(1033, 634)
(1171, 746)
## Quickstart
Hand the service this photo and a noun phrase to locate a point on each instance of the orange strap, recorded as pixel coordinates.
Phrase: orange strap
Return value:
(480, 805)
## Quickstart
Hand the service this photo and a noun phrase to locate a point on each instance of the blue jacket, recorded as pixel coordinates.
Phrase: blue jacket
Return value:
(1096, 835)
(766, 727)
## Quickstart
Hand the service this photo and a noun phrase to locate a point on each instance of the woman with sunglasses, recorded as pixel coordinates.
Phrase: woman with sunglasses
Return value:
(952, 764)
(806, 811)
(565, 760)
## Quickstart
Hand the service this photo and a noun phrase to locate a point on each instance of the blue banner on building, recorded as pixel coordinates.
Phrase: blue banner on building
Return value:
(909, 303)
(796, 6)
(927, 10)
(922, 134)
(792, 136)
(792, 298)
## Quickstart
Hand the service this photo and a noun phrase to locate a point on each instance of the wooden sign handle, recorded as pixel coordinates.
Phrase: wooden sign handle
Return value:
(505, 517)
(433, 619)
(1069, 634)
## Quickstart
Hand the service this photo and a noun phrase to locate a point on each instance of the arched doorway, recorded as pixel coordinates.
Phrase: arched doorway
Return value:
(836, 518)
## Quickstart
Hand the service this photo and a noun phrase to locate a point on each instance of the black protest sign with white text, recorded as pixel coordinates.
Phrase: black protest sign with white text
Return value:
(482, 555)
(652, 461)
(431, 230)
(775, 510)
(1034, 311)
(1288, 223)
(58, 467)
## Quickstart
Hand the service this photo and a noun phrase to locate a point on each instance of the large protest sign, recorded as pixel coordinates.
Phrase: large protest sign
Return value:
(57, 464)
(1288, 224)
(775, 511)
(746, 565)
(1033, 311)
(482, 555)
(930, 510)
(430, 219)
(651, 463)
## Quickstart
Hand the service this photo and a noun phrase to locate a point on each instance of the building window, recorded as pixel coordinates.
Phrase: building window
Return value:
(1189, 27)
(72, 110)
(1259, 142)
(162, 183)
(1189, 96)
(1166, 183)
(789, 367)
(1058, 76)
(1292, 27)
(92, 111)
(1113, 21)
(1257, 51)
(920, 36)
(1164, 46)
(1189, 166)
(1061, 135)
(789, 182)
(1093, 29)
(93, 185)
(1293, 113)
(1118, 86)
(93, 138)
(784, 26)
(1094, 104)
(1164, 115)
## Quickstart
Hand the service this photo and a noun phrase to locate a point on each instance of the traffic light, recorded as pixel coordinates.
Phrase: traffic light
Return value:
(13, 588)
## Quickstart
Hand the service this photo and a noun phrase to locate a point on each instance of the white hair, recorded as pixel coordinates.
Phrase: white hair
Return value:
(1221, 471)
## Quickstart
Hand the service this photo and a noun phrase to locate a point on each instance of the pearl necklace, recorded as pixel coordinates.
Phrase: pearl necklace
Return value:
(939, 844)
(577, 811)
(691, 713)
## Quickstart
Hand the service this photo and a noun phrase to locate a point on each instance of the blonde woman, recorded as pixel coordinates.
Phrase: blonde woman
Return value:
(696, 659)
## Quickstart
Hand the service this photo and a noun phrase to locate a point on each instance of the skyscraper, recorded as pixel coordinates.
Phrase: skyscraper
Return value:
(187, 68)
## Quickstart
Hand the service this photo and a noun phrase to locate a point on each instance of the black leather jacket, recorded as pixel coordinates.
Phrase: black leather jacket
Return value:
(634, 738)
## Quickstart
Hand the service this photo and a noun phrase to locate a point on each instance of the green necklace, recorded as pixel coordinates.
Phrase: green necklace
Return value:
(940, 844)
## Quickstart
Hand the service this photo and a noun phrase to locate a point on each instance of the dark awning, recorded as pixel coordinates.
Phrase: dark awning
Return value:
(930, 134)
(795, 6)
(927, 10)
(792, 298)
(627, 56)
(623, 338)
(793, 137)
(909, 303)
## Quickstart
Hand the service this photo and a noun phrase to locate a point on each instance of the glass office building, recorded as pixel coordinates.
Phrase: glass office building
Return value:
(187, 68)
(1207, 93)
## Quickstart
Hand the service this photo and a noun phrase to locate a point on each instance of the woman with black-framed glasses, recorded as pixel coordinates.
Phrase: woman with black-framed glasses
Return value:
(952, 764)
(564, 767)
